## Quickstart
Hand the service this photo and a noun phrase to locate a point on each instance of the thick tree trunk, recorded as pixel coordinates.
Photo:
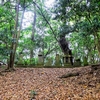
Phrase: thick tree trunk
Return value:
(11, 62)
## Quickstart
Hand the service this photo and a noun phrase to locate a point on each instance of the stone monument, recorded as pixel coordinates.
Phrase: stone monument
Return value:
(40, 58)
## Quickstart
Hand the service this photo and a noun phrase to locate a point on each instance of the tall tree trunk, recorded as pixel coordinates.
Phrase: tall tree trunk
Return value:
(15, 37)
(2, 1)
(33, 31)
(34, 23)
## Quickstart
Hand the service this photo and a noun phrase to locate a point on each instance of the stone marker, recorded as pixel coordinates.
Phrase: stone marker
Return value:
(40, 58)
(67, 60)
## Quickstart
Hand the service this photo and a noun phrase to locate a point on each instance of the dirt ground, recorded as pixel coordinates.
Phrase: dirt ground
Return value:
(45, 84)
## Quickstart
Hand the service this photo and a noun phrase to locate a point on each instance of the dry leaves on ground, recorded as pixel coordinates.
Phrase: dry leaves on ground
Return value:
(45, 84)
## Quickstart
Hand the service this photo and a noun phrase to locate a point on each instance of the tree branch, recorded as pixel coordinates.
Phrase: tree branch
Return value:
(45, 19)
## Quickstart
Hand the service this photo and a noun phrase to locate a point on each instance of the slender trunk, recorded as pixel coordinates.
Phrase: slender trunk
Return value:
(33, 31)
(97, 41)
(2, 1)
(31, 55)
(34, 23)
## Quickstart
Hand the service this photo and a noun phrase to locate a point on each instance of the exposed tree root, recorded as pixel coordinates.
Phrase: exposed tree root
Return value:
(69, 75)
(9, 70)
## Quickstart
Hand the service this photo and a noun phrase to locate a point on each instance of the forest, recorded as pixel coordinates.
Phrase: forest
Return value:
(49, 50)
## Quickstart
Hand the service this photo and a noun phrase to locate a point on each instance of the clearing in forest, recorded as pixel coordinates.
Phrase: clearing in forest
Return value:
(45, 84)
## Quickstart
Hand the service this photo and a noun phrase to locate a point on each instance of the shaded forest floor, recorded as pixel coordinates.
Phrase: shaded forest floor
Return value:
(45, 84)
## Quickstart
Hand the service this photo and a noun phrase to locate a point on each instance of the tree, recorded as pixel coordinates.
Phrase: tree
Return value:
(80, 17)
(15, 35)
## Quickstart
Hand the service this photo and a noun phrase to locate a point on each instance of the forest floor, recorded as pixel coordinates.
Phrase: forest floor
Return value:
(45, 84)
